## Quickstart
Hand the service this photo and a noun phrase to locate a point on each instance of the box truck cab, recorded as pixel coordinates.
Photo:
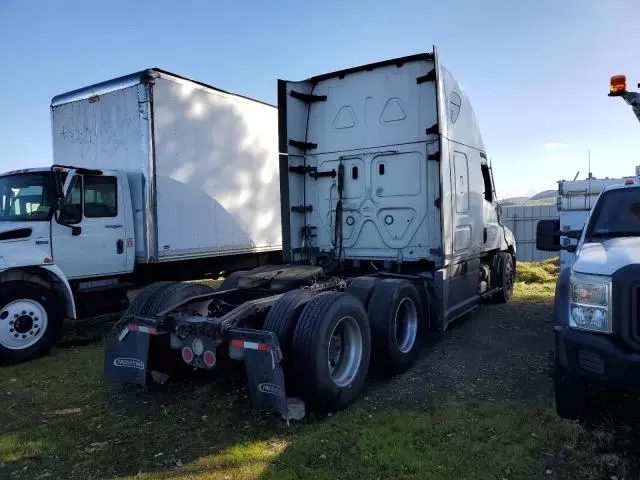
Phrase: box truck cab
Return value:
(157, 176)
(390, 229)
(596, 316)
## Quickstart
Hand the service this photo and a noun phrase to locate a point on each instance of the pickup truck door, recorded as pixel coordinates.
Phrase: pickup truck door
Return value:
(89, 233)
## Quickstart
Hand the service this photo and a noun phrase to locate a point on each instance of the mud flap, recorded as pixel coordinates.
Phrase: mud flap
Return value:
(126, 359)
(262, 358)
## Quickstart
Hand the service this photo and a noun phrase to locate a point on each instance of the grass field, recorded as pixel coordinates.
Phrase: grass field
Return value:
(59, 420)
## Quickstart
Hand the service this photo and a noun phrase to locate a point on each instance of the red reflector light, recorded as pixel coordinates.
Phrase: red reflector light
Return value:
(209, 358)
(187, 354)
(132, 327)
(263, 347)
(237, 343)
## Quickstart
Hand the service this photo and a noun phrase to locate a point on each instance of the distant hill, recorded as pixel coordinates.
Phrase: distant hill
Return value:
(545, 194)
(547, 197)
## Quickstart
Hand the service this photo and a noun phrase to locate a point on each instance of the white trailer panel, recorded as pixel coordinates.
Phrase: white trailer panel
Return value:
(202, 163)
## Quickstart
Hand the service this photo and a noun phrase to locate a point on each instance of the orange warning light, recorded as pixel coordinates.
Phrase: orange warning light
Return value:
(618, 85)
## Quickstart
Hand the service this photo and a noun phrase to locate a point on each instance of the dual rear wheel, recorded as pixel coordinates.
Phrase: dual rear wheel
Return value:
(330, 339)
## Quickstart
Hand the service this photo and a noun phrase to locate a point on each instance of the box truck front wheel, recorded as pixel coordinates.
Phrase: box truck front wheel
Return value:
(396, 314)
(30, 321)
(331, 349)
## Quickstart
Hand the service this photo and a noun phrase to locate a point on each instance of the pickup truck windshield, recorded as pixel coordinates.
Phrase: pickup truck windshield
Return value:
(27, 197)
(617, 214)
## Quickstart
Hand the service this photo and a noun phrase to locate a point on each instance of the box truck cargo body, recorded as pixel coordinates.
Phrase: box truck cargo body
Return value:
(201, 163)
(154, 176)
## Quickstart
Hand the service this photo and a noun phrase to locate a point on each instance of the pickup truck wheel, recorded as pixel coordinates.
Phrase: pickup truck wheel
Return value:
(570, 395)
(331, 349)
(30, 322)
(396, 315)
(506, 278)
(362, 288)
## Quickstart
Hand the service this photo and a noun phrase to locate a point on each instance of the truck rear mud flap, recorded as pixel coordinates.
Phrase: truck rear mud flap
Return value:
(126, 359)
(262, 358)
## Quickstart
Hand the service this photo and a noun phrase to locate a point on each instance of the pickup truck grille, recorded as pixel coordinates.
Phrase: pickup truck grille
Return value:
(634, 299)
(626, 305)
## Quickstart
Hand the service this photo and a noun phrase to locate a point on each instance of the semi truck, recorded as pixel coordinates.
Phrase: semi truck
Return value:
(596, 310)
(156, 176)
(390, 230)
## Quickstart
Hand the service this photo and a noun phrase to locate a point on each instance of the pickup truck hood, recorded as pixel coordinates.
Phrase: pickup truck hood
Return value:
(607, 257)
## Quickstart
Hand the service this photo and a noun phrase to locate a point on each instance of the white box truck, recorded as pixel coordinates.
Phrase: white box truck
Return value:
(390, 229)
(153, 173)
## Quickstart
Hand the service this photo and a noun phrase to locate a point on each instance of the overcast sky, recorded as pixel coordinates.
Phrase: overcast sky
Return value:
(536, 73)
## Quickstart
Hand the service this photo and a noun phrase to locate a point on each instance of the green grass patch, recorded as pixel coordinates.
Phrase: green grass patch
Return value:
(538, 272)
(59, 420)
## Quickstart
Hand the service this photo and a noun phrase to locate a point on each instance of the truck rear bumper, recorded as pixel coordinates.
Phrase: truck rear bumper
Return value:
(598, 359)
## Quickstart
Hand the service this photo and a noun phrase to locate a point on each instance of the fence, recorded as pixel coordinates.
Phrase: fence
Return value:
(522, 221)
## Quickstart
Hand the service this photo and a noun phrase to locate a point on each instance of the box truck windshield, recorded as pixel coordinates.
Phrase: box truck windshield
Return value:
(27, 196)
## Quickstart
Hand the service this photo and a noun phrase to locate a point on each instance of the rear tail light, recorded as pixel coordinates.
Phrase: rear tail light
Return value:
(187, 354)
(209, 359)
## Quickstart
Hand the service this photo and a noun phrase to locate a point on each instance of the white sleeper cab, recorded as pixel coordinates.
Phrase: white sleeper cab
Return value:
(390, 230)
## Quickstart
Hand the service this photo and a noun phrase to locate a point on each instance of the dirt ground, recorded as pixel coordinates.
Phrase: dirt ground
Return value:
(500, 352)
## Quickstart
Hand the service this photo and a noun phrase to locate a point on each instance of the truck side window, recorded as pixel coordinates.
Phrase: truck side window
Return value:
(71, 211)
(100, 196)
(461, 184)
(488, 189)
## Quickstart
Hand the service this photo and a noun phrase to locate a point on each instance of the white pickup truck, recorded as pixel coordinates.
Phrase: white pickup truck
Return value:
(597, 300)
(161, 177)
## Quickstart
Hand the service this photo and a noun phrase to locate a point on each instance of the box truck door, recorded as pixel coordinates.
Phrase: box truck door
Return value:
(89, 234)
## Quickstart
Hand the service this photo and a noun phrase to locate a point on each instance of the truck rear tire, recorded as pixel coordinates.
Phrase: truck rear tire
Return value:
(331, 349)
(140, 301)
(506, 278)
(283, 317)
(396, 316)
(30, 321)
(231, 281)
(362, 288)
(151, 301)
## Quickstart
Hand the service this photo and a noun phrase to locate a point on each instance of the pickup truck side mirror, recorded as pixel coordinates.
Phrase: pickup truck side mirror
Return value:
(548, 236)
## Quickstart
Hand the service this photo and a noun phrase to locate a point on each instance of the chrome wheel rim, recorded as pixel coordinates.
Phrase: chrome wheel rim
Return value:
(344, 352)
(22, 324)
(406, 324)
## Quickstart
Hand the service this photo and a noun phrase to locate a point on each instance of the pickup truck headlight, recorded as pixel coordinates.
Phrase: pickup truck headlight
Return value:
(590, 303)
